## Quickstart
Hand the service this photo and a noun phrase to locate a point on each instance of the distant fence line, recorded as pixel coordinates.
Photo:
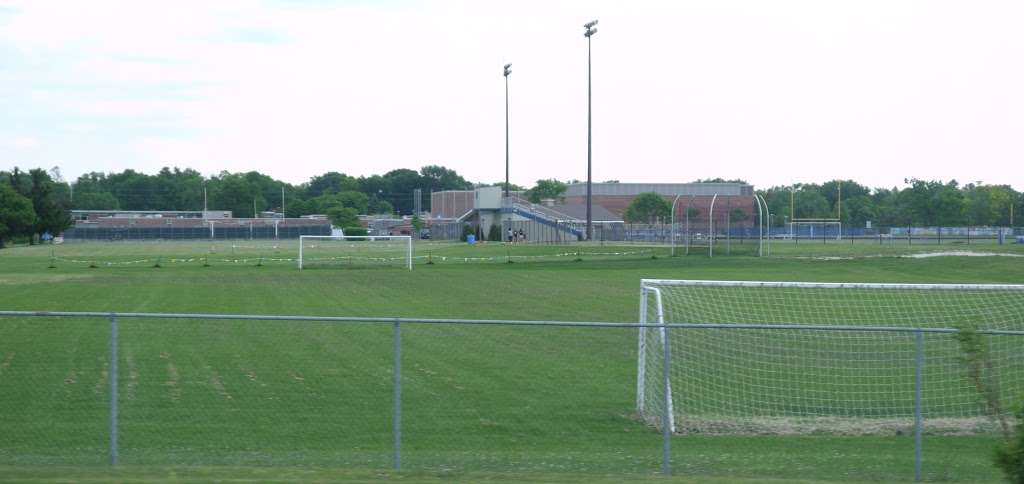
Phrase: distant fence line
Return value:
(212, 232)
(697, 232)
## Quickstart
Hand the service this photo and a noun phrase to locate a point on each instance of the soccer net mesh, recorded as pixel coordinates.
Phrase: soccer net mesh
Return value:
(351, 251)
(849, 367)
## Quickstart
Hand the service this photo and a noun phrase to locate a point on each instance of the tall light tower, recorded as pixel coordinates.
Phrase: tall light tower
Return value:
(588, 34)
(508, 71)
(507, 201)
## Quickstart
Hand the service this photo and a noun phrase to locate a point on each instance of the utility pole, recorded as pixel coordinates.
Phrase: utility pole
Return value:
(588, 34)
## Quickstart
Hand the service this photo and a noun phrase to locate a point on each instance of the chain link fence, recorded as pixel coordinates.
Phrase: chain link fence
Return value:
(92, 388)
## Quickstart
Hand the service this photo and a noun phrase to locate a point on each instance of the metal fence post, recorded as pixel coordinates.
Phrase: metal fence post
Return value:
(113, 389)
(918, 418)
(397, 423)
(666, 423)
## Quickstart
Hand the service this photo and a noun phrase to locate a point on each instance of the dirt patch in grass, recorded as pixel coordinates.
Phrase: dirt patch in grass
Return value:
(832, 426)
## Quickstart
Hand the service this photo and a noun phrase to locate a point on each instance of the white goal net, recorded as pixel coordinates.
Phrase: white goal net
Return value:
(355, 251)
(781, 358)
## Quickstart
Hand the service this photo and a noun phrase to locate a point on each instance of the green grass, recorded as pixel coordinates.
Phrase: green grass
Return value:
(207, 400)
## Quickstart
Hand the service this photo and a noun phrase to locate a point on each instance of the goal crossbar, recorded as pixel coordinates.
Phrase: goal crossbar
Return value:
(355, 238)
(829, 285)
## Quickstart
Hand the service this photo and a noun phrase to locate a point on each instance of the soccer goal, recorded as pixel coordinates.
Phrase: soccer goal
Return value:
(793, 358)
(352, 251)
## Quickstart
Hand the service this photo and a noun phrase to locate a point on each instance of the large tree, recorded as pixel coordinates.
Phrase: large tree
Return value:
(550, 188)
(16, 213)
(343, 217)
(330, 182)
(51, 215)
(234, 192)
(648, 208)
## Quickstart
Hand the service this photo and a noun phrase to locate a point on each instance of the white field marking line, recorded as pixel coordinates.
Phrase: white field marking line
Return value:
(172, 378)
(914, 255)
(133, 377)
(101, 384)
(218, 384)
(7, 362)
(960, 253)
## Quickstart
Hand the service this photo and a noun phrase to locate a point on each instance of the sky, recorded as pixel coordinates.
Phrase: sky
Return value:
(773, 92)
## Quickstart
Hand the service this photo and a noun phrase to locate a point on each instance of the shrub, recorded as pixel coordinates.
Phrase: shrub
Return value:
(356, 231)
(494, 233)
(466, 231)
(1010, 457)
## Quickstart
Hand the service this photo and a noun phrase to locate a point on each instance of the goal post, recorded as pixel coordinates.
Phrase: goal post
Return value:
(355, 250)
(812, 223)
(731, 357)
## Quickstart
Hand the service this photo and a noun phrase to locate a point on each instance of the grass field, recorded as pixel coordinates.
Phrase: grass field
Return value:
(287, 401)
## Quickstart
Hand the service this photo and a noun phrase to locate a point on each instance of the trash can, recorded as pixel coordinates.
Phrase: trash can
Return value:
(471, 239)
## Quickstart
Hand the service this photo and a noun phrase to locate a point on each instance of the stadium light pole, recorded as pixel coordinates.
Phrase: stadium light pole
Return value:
(588, 34)
(508, 70)
(507, 201)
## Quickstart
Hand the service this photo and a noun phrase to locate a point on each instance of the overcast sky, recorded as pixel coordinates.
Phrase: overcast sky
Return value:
(774, 92)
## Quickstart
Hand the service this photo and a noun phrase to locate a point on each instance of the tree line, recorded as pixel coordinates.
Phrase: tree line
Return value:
(247, 194)
(336, 194)
(920, 203)
(37, 202)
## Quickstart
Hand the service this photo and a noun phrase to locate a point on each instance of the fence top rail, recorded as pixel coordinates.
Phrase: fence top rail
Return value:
(829, 285)
(497, 322)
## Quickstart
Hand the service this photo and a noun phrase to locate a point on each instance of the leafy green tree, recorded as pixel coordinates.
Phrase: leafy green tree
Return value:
(648, 208)
(549, 188)
(400, 186)
(133, 190)
(858, 210)
(92, 193)
(94, 201)
(330, 182)
(343, 217)
(512, 187)
(16, 213)
(232, 191)
(51, 216)
(176, 189)
(988, 204)
(356, 200)
(932, 203)
(721, 180)
(808, 202)
(1018, 210)
(378, 206)
(850, 190)
(417, 224)
(19, 181)
(437, 178)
